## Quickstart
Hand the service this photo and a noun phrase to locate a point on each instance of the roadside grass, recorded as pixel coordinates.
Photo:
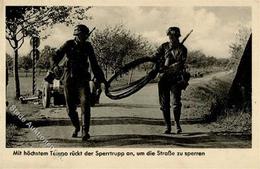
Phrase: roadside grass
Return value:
(26, 90)
(25, 86)
(202, 93)
(233, 122)
(218, 116)
(12, 122)
(11, 131)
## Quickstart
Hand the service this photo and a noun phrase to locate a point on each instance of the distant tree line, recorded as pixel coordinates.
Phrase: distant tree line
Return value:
(197, 59)
(25, 61)
(116, 46)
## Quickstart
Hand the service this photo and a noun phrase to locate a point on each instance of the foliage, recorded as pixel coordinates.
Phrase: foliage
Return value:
(237, 47)
(45, 55)
(233, 121)
(25, 62)
(115, 46)
(198, 59)
(22, 21)
(29, 21)
(11, 131)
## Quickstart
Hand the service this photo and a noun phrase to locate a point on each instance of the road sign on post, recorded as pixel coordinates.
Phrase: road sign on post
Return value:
(35, 53)
(35, 43)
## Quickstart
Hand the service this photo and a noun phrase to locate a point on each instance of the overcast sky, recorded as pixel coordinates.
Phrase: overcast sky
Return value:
(214, 27)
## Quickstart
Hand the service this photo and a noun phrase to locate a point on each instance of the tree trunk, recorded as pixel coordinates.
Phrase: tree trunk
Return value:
(16, 73)
(106, 71)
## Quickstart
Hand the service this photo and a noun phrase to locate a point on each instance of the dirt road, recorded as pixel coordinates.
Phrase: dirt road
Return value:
(135, 121)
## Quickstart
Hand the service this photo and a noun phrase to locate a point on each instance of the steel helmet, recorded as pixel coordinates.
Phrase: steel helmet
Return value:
(174, 31)
(81, 29)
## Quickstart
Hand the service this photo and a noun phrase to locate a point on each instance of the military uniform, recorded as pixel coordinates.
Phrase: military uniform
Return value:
(170, 75)
(76, 79)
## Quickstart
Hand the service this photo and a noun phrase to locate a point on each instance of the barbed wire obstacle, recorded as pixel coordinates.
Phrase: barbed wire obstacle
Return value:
(123, 90)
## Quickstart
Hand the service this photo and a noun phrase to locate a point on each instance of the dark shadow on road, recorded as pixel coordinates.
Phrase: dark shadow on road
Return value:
(127, 105)
(109, 121)
(186, 140)
(122, 105)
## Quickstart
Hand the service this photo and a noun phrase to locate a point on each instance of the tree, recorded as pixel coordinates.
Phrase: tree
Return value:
(28, 21)
(25, 63)
(115, 46)
(237, 47)
(45, 55)
(198, 59)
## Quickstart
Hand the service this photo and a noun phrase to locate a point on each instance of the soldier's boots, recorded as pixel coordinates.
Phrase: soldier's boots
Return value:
(76, 130)
(177, 115)
(85, 135)
(75, 121)
(75, 133)
(178, 127)
(167, 131)
(167, 119)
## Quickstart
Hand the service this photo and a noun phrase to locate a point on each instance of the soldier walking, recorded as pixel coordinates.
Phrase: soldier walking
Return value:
(173, 77)
(80, 55)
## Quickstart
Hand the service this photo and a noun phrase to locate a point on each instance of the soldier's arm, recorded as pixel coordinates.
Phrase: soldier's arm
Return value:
(158, 54)
(59, 55)
(184, 55)
(97, 71)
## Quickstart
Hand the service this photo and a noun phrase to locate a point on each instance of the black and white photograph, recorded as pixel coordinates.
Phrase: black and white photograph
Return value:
(123, 76)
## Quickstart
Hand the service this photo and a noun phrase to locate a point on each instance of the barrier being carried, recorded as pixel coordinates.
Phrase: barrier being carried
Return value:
(131, 87)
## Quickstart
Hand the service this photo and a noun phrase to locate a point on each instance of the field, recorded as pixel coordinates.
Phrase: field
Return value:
(25, 82)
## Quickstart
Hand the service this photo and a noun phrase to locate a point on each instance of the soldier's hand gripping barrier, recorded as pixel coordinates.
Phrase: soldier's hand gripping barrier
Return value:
(124, 91)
